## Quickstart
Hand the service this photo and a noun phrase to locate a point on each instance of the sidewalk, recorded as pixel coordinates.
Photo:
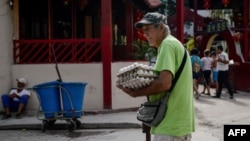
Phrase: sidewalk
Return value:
(97, 120)
(211, 115)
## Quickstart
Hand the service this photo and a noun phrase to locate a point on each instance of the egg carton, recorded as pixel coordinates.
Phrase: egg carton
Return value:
(137, 83)
(134, 67)
(136, 76)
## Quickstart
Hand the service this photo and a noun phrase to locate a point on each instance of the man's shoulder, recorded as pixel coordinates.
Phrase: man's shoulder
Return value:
(13, 90)
(195, 57)
(171, 40)
(224, 53)
(26, 90)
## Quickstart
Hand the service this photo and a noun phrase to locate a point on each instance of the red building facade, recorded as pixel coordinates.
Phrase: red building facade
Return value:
(85, 31)
(236, 38)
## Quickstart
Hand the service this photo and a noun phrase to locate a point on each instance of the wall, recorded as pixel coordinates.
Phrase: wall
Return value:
(6, 35)
(90, 73)
(241, 77)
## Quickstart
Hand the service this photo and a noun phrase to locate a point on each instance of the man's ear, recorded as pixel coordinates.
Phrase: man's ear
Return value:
(161, 26)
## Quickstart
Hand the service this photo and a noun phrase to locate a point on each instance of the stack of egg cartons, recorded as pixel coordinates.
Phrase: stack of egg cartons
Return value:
(136, 76)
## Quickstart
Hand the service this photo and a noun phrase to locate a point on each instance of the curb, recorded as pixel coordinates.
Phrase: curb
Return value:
(109, 111)
(63, 126)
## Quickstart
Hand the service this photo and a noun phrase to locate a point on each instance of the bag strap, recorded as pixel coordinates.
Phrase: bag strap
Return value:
(177, 74)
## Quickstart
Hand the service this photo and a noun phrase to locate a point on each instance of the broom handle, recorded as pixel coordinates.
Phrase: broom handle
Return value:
(57, 69)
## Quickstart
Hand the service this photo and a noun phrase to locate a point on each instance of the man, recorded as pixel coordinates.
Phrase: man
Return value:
(16, 100)
(178, 123)
(223, 67)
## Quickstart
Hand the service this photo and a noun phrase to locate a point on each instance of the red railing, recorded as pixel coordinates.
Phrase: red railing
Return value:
(66, 51)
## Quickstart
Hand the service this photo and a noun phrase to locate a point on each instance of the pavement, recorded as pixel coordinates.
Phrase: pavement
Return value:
(94, 120)
(211, 116)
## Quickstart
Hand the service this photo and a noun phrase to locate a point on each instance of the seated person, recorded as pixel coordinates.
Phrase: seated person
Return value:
(16, 100)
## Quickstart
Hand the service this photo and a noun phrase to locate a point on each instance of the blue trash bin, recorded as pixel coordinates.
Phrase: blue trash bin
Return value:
(72, 98)
(49, 98)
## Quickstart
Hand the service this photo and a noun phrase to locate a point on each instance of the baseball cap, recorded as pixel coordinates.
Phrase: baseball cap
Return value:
(206, 50)
(151, 18)
(21, 80)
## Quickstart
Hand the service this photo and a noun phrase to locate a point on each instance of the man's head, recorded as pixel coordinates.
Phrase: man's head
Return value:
(151, 18)
(206, 52)
(154, 27)
(219, 49)
(194, 51)
(21, 82)
(213, 54)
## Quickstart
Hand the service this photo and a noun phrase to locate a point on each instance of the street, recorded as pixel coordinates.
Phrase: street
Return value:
(79, 135)
(211, 116)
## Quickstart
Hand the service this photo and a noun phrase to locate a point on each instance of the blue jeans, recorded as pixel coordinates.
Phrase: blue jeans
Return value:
(13, 105)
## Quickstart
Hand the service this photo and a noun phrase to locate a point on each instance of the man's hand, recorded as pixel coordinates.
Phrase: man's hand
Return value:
(127, 91)
(223, 61)
(219, 60)
(14, 95)
(153, 3)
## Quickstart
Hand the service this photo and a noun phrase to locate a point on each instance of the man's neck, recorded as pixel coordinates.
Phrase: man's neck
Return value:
(161, 39)
(19, 89)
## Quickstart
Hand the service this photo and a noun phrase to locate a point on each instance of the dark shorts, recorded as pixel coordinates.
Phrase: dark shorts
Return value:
(196, 75)
(207, 76)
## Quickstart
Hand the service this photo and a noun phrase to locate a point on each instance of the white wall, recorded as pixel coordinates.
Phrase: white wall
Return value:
(89, 73)
(6, 35)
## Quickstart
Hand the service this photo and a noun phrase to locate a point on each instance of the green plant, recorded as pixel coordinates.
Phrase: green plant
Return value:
(142, 51)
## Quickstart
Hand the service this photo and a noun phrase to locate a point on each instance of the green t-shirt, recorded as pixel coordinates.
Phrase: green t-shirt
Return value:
(179, 119)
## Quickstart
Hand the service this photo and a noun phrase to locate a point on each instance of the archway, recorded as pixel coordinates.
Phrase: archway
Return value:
(234, 51)
(236, 77)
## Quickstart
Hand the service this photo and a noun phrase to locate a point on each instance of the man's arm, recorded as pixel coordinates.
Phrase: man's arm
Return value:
(161, 84)
(225, 59)
(13, 95)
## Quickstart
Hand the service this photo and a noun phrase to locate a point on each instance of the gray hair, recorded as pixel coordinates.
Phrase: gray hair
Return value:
(167, 29)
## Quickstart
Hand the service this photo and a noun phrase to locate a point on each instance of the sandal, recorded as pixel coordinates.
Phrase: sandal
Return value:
(18, 115)
(6, 116)
(207, 94)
